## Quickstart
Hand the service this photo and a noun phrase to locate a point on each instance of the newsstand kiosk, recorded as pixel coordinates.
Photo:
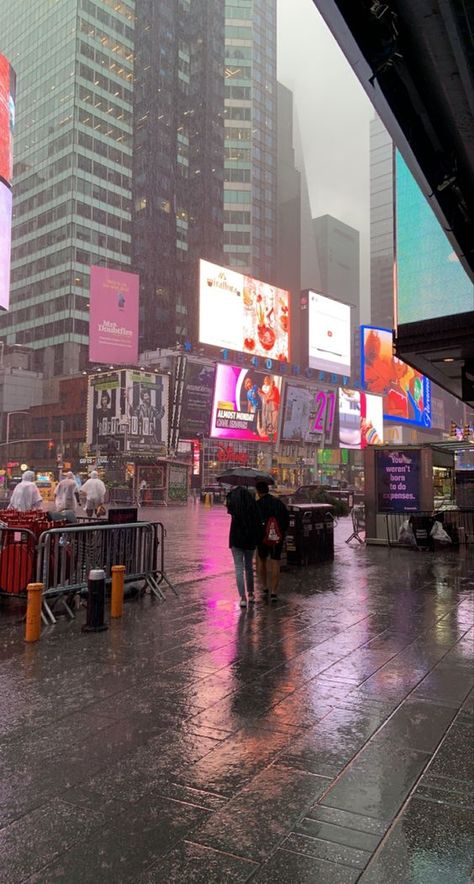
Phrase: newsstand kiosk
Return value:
(400, 482)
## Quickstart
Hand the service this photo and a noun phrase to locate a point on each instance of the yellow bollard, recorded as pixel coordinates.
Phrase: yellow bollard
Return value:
(116, 600)
(208, 500)
(33, 612)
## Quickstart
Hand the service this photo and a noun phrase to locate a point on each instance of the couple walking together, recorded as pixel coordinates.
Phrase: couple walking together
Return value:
(256, 524)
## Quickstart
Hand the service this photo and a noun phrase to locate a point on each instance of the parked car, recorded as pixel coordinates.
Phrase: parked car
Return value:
(320, 494)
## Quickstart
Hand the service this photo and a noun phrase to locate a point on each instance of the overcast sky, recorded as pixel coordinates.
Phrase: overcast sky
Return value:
(334, 114)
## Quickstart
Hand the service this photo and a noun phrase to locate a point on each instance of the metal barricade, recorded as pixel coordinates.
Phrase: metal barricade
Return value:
(121, 497)
(17, 560)
(66, 555)
(358, 522)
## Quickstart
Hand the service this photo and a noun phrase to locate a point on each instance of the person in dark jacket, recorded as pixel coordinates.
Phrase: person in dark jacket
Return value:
(245, 532)
(275, 519)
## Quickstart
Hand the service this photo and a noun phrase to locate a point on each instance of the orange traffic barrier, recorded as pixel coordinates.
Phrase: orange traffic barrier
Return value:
(116, 600)
(33, 612)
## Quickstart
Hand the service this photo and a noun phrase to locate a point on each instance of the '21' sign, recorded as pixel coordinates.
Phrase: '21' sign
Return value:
(324, 414)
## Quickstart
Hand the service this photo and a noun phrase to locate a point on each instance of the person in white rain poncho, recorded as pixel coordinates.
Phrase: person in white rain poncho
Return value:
(26, 496)
(94, 492)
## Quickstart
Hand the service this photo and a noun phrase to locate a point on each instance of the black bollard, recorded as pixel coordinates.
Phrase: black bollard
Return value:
(95, 603)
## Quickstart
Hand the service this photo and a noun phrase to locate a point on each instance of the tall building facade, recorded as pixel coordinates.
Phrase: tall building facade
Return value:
(250, 151)
(178, 163)
(382, 222)
(338, 249)
(72, 173)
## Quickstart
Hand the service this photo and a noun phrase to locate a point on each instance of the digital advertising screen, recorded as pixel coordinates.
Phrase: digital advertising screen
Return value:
(129, 409)
(246, 405)
(398, 481)
(5, 244)
(7, 118)
(360, 419)
(197, 399)
(237, 312)
(406, 392)
(431, 281)
(308, 414)
(113, 316)
(329, 334)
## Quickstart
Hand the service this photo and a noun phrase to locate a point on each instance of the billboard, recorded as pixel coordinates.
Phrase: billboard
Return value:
(308, 414)
(5, 244)
(113, 316)
(360, 419)
(406, 393)
(329, 334)
(431, 281)
(246, 405)
(238, 312)
(128, 411)
(398, 480)
(7, 118)
(196, 403)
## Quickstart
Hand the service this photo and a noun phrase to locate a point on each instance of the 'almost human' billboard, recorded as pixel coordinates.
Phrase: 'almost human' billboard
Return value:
(113, 324)
(246, 405)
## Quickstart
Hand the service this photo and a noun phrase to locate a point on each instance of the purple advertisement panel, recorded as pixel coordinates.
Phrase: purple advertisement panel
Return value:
(246, 404)
(5, 244)
(113, 329)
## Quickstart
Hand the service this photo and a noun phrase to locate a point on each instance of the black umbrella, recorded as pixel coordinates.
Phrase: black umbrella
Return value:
(245, 476)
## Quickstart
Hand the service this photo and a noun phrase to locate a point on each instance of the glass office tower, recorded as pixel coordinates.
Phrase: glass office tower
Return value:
(250, 151)
(72, 174)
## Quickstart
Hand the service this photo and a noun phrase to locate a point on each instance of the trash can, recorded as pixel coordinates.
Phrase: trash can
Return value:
(310, 537)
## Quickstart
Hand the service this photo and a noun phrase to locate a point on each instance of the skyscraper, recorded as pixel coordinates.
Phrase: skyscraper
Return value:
(250, 152)
(381, 225)
(72, 173)
(337, 245)
(178, 160)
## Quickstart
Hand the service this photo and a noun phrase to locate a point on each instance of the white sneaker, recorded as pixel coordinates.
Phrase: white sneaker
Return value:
(243, 603)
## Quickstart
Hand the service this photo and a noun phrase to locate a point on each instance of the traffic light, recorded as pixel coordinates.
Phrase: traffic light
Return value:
(452, 429)
(466, 431)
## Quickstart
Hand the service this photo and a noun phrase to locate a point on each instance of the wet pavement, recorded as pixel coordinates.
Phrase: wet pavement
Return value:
(326, 738)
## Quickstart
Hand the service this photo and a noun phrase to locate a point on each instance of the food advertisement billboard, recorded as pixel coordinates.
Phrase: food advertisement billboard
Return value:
(360, 419)
(113, 330)
(406, 393)
(7, 118)
(197, 398)
(5, 244)
(237, 312)
(128, 411)
(246, 405)
(308, 414)
(431, 280)
(329, 334)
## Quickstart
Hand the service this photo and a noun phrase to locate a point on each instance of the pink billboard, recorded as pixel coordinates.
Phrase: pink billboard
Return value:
(113, 323)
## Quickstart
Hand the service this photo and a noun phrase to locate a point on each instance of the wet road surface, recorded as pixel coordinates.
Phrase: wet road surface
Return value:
(327, 738)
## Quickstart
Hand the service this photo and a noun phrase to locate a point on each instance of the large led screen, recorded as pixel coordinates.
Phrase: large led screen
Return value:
(113, 316)
(128, 411)
(246, 405)
(360, 419)
(431, 281)
(406, 393)
(5, 244)
(240, 313)
(197, 398)
(329, 333)
(7, 118)
(308, 414)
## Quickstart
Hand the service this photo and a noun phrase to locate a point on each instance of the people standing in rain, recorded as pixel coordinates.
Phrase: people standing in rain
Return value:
(67, 497)
(25, 496)
(94, 492)
(275, 519)
(244, 535)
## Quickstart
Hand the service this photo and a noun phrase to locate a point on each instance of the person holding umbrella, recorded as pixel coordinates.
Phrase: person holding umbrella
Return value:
(246, 531)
